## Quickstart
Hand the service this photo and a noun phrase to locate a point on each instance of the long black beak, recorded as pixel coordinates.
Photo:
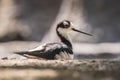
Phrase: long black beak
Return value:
(81, 32)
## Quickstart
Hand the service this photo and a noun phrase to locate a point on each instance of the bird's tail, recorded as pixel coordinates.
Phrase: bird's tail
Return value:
(27, 54)
(12, 56)
(21, 53)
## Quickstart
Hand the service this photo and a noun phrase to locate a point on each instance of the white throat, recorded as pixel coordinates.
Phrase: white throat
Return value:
(65, 33)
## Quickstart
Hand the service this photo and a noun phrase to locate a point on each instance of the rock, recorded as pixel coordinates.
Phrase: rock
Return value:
(36, 20)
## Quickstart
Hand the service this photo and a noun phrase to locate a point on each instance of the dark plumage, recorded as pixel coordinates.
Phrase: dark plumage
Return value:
(48, 51)
(62, 50)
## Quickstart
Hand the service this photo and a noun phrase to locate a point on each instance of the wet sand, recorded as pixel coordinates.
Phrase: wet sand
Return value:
(83, 69)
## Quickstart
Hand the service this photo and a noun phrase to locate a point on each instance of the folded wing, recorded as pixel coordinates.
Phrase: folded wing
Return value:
(46, 51)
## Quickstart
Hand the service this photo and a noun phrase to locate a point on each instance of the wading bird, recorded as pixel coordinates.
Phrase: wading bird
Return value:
(51, 51)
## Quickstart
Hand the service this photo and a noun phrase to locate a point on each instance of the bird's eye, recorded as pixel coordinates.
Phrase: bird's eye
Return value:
(66, 24)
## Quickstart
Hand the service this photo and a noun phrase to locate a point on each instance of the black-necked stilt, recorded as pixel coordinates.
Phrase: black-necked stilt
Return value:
(62, 50)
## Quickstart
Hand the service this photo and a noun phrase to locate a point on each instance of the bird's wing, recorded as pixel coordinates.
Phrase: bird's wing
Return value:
(39, 48)
(46, 51)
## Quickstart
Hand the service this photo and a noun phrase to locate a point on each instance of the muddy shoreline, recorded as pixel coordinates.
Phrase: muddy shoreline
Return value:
(85, 69)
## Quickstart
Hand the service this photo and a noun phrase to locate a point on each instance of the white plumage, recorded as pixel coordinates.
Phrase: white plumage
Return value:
(62, 50)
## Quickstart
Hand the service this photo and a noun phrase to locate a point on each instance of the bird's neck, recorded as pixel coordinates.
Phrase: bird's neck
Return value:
(65, 39)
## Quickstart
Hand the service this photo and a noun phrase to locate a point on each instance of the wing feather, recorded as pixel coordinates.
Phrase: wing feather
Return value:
(47, 51)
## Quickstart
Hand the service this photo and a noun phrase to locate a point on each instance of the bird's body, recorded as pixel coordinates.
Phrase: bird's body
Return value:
(50, 51)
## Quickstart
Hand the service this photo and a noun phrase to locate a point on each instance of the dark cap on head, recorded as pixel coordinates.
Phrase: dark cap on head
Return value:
(64, 24)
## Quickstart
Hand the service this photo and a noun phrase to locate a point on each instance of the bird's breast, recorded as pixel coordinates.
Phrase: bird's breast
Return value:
(64, 56)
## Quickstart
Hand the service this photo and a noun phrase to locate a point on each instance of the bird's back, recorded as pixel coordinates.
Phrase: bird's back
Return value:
(50, 51)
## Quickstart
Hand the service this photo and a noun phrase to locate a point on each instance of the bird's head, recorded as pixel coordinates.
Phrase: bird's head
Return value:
(66, 26)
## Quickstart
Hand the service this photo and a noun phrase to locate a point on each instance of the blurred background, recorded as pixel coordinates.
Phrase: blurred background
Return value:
(25, 24)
